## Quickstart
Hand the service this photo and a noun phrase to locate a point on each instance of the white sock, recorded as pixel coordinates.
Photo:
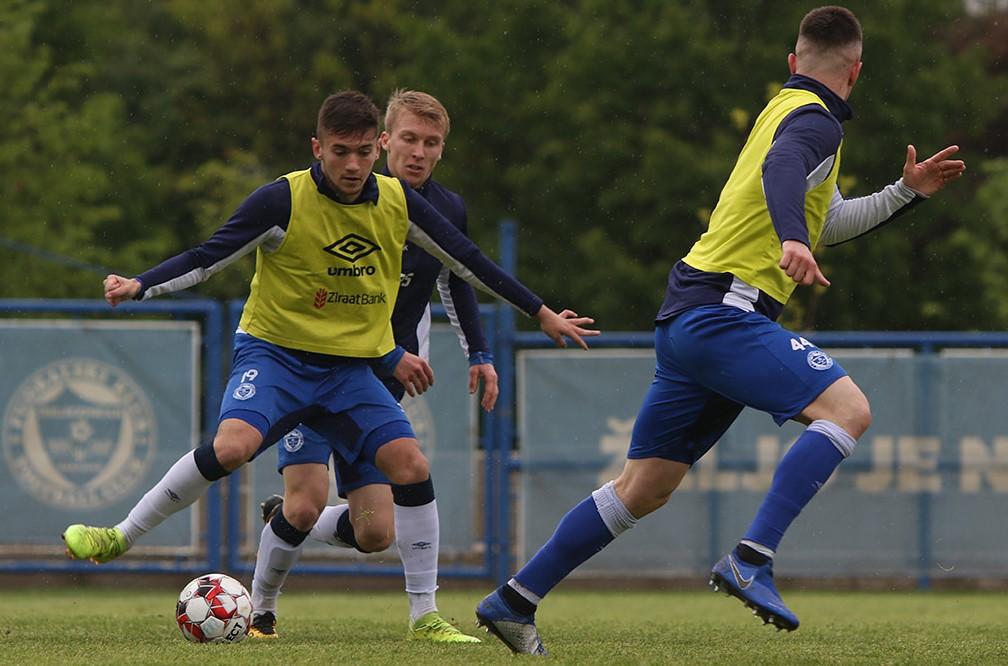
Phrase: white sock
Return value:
(420, 604)
(417, 537)
(274, 561)
(178, 488)
(615, 515)
(325, 527)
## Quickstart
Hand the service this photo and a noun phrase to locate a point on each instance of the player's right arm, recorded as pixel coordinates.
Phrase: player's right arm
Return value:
(261, 219)
(848, 219)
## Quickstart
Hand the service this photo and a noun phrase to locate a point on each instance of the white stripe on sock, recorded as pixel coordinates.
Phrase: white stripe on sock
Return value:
(614, 513)
(525, 592)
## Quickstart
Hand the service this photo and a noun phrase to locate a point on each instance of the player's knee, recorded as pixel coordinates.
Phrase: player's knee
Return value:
(641, 498)
(409, 466)
(302, 516)
(229, 456)
(233, 446)
(373, 538)
(856, 416)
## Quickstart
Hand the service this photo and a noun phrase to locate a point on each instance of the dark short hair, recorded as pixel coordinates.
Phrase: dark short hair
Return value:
(830, 27)
(347, 112)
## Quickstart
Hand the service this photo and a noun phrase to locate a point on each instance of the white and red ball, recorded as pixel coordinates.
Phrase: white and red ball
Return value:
(214, 608)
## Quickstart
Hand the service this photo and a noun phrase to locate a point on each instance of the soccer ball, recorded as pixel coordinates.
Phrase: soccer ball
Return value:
(214, 608)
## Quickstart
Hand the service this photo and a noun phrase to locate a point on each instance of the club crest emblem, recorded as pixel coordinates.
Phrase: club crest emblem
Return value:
(819, 360)
(79, 433)
(244, 391)
(293, 441)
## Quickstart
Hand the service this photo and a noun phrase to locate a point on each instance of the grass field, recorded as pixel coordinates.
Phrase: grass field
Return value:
(102, 626)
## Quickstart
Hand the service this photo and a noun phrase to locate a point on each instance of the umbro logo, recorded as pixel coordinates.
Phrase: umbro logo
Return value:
(420, 545)
(742, 580)
(172, 495)
(352, 247)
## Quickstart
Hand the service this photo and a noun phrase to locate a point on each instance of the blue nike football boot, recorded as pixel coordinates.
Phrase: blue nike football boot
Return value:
(753, 585)
(517, 631)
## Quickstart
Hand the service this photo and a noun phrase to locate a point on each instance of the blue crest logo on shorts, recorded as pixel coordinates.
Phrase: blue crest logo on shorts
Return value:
(819, 360)
(244, 391)
(293, 440)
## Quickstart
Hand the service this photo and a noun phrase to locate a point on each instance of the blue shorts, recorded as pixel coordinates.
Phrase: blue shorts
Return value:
(713, 361)
(274, 389)
(306, 445)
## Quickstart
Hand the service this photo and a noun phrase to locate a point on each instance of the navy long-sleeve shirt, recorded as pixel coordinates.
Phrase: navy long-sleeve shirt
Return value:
(262, 219)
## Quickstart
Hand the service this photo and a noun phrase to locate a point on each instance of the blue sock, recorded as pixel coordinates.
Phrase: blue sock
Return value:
(579, 535)
(801, 473)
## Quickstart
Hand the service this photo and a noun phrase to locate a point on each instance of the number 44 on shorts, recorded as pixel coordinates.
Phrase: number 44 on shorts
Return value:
(801, 344)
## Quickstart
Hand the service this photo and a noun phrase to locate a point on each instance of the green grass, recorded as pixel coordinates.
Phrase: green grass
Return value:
(101, 626)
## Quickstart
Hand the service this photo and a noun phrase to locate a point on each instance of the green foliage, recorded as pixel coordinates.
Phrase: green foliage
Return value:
(130, 131)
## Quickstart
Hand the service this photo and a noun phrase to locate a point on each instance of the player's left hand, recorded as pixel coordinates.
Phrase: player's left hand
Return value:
(414, 373)
(567, 324)
(487, 372)
(932, 174)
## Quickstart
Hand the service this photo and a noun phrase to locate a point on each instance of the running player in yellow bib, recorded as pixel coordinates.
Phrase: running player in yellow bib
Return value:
(719, 347)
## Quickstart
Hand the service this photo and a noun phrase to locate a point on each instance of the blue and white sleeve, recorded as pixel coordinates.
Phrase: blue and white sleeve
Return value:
(848, 219)
(435, 234)
(459, 300)
(261, 219)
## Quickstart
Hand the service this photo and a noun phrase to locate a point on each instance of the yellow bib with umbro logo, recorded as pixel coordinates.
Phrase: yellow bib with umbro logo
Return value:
(740, 238)
(331, 284)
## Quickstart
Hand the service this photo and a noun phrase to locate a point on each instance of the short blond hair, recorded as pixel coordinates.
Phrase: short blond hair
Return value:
(419, 104)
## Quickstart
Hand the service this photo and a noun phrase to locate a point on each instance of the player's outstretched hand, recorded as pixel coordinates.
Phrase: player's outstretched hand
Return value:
(567, 324)
(934, 173)
(488, 374)
(799, 264)
(414, 373)
(119, 289)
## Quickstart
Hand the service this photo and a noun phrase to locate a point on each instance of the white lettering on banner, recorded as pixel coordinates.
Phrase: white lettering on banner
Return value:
(980, 462)
(883, 456)
(905, 463)
(705, 475)
(908, 464)
(615, 443)
(918, 464)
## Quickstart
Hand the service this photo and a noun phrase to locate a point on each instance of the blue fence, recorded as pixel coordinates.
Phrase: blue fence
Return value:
(58, 367)
(535, 454)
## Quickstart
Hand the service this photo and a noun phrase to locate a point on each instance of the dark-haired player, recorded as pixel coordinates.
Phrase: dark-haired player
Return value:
(329, 243)
(416, 126)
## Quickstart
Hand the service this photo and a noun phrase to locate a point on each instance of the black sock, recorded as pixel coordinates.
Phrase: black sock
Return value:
(750, 555)
(207, 463)
(414, 494)
(344, 530)
(517, 602)
(286, 531)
